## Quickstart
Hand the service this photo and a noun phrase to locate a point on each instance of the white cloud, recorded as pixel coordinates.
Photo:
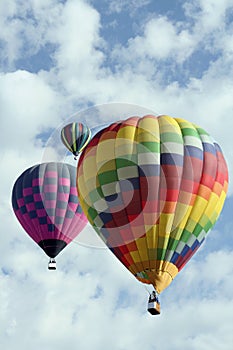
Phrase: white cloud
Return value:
(24, 28)
(63, 308)
(161, 39)
(91, 301)
(208, 14)
(118, 6)
(78, 57)
(28, 107)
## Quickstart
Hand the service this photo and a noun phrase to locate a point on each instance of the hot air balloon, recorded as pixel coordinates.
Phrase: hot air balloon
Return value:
(44, 200)
(75, 136)
(152, 188)
(98, 128)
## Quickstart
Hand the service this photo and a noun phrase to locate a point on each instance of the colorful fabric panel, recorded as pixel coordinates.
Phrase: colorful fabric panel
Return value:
(152, 188)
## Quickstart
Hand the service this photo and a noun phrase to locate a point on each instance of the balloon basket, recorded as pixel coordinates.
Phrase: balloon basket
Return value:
(153, 304)
(153, 308)
(52, 264)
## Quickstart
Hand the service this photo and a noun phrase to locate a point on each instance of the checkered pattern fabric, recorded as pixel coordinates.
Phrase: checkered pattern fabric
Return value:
(44, 199)
(152, 188)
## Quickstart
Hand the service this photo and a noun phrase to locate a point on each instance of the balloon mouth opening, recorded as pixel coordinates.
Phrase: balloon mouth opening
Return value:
(160, 277)
(52, 247)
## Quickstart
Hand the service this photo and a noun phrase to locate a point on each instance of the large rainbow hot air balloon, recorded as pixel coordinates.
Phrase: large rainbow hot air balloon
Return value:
(152, 188)
(44, 199)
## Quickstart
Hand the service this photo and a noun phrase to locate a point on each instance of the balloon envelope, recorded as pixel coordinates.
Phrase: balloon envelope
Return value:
(98, 128)
(152, 188)
(75, 136)
(44, 199)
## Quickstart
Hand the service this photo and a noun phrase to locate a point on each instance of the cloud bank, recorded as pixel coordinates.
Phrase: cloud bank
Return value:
(56, 59)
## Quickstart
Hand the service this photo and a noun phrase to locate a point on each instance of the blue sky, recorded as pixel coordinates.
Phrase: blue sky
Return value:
(99, 61)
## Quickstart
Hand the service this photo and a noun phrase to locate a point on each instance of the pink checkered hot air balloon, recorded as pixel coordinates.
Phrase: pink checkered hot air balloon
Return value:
(44, 199)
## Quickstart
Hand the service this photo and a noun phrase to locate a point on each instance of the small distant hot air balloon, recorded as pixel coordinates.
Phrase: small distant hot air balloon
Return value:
(44, 199)
(152, 188)
(75, 136)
